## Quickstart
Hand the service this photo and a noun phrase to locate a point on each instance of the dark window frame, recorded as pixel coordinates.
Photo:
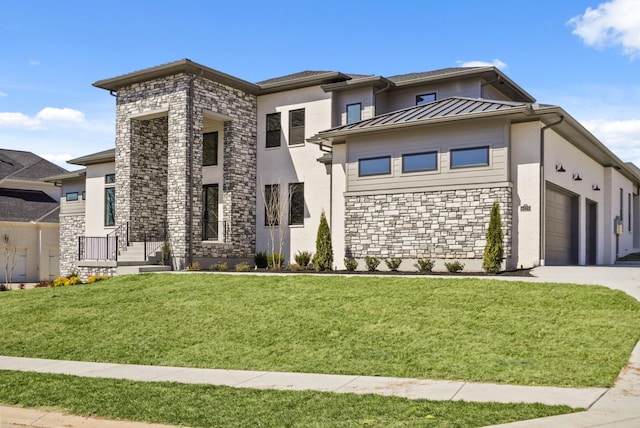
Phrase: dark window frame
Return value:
(267, 199)
(295, 138)
(206, 215)
(359, 112)
(273, 134)
(388, 158)
(296, 204)
(468, 149)
(110, 178)
(419, 96)
(109, 210)
(69, 197)
(629, 212)
(435, 158)
(212, 158)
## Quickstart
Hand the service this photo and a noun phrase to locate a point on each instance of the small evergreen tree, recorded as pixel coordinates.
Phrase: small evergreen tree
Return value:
(494, 250)
(323, 259)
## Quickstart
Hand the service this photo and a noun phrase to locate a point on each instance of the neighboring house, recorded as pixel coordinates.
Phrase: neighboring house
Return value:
(404, 166)
(29, 209)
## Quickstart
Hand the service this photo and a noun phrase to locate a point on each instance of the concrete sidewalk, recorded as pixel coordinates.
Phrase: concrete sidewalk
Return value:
(617, 407)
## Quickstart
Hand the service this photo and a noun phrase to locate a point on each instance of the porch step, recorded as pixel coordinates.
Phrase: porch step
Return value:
(134, 255)
(133, 269)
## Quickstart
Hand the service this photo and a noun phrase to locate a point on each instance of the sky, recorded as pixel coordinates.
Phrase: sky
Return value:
(583, 55)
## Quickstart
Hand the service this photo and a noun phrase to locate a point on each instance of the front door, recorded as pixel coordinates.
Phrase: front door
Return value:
(210, 212)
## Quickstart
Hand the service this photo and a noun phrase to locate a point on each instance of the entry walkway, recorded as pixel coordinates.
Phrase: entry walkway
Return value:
(616, 407)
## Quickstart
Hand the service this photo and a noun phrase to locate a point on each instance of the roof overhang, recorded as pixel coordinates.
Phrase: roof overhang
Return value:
(95, 158)
(58, 179)
(303, 82)
(183, 66)
(361, 82)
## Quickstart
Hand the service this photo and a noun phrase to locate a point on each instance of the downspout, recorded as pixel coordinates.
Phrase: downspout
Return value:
(543, 188)
(375, 97)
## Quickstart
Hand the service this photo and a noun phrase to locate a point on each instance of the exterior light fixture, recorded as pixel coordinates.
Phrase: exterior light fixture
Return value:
(577, 177)
(595, 187)
(560, 168)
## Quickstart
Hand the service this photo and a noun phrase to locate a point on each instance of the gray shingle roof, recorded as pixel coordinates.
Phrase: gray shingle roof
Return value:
(293, 76)
(420, 75)
(27, 205)
(26, 166)
(455, 106)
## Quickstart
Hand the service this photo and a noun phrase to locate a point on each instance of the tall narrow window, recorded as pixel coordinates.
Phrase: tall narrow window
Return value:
(629, 213)
(210, 149)
(210, 223)
(272, 209)
(296, 127)
(425, 98)
(354, 113)
(296, 203)
(110, 206)
(274, 128)
(621, 203)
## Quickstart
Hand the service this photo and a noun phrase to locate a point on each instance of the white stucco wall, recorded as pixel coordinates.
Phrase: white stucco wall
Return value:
(294, 164)
(35, 244)
(94, 204)
(338, 189)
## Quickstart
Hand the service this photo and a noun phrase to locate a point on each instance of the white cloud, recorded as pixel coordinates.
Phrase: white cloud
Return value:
(495, 63)
(19, 120)
(3, 94)
(60, 115)
(48, 115)
(613, 23)
(33, 62)
(621, 136)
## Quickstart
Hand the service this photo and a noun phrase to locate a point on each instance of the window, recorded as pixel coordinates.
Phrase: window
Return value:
(274, 128)
(476, 156)
(374, 166)
(110, 206)
(296, 203)
(272, 209)
(210, 223)
(419, 162)
(72, 196)
(110, 178)
(354, 113)
(425, 98)
(629, 212)
(621, 203)
(84, 195)
(296, 127)
(210, 149)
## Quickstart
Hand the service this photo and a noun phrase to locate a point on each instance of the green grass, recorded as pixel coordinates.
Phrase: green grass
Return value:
(457, 329)
(633, 257)
(211, 406)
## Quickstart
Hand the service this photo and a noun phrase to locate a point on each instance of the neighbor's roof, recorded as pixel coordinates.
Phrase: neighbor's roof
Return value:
(28, 205)
(455, 107)
(59, 178)
(25, 166)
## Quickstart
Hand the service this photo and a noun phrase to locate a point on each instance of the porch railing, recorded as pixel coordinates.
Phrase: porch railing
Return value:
(122, 232)
(153, 241)
(99, 248)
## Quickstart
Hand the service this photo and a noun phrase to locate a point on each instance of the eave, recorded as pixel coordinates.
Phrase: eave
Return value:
(303, 82)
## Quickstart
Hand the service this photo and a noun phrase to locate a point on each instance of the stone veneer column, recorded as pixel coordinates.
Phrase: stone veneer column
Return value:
(71, 226)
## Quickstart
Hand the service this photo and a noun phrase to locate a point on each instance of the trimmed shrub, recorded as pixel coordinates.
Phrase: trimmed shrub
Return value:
(350, 264)
(372, 263)
(393, 264)
(494, 251)
(294, 267)
(275, 261)
(219, 267)
(323, 260)
(193, 266)
(455, 266)
(261, 260)
(303, 258)
(97, 278)
(242, 267)
(424, 265)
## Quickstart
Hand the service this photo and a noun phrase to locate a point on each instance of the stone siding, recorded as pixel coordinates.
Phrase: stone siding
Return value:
(71, 226)
(449, 224)
(85, 272)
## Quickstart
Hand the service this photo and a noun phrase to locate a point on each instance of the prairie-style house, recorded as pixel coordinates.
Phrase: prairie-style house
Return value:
(403, 166)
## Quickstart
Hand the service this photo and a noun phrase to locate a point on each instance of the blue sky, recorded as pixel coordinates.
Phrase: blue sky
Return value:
(583, 55)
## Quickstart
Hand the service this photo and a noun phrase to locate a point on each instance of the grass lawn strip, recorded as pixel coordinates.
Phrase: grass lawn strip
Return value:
(455, 329)
(214, 406)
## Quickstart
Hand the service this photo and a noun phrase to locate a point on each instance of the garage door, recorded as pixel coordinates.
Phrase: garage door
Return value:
(561, 227)
(19, 274)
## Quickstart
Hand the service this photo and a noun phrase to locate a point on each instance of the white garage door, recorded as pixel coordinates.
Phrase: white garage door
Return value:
(19, 274)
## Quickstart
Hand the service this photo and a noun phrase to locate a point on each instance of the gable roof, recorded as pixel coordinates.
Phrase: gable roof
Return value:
(25, 166)
(104, 156)
(28, 205)
(455, 107)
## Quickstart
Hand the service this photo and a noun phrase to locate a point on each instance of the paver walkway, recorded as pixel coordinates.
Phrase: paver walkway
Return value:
(617, 407)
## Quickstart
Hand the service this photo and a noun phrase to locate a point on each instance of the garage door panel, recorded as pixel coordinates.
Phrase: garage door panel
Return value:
(561, 222)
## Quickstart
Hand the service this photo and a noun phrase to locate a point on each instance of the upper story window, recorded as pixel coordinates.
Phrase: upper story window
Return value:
(425, 98)
(475, 156)
(71, 196)
(354, 113)
(415, 162)
(210, 149)
(374, 166)
(296, 127)
(110, 178)
(274, 129)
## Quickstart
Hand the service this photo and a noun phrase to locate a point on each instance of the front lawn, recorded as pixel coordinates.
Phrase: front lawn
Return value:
(458, 329)
(216, 406)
